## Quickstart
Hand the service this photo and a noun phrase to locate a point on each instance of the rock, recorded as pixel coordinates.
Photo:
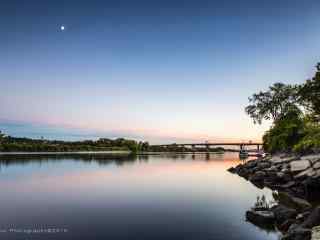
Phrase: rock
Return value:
(273, 168)
(283, 213)
(251, 164)
(258, 176)
(260, 217)
(317, 173)
(298, 234)
(283, 177)
(315, 235)
(264, 165)
(243, 172)
(279, 160)
(316, 165)
(312, 158)
(232, 170)
(299, 165)
(312, 186)
(302, 216)
(284, 227)
(293, 202)
(280, 174)
(293, 227)
(313, 219)
(306, 173)
(285, 170)
(288, 185)
(301, 204)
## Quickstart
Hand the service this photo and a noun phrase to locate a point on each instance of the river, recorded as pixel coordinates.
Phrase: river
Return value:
(120, 197)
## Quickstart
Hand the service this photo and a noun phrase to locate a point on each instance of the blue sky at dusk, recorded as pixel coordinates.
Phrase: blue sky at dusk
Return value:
(161, 71)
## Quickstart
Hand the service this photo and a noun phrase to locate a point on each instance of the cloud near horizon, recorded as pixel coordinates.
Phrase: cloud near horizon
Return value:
(68, 133)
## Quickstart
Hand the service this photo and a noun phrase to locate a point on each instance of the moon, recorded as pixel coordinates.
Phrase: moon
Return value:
(62, 28)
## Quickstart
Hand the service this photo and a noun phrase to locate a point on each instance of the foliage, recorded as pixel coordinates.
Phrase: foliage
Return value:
(311, 140)
(309, 94)
(285, 133)
(10, 144)
(272, 104)
(295, 111)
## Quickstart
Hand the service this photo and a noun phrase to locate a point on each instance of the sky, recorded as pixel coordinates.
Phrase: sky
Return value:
(162, 71)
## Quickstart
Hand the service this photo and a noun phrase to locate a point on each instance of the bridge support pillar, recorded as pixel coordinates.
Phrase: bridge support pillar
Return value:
(207, 147)
(193, 149)
(241, 147)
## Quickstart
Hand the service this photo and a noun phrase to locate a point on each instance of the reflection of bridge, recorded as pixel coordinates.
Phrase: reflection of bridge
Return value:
(207, 145)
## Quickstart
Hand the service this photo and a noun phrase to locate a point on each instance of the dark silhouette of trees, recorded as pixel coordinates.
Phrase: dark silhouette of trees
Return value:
(272, 104)
(309, 94)
(295, 111)
(10, 144)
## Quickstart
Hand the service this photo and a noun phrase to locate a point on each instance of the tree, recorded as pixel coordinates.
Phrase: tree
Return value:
(272, 104)
(309, 94)
(285, 133)
(1, 136)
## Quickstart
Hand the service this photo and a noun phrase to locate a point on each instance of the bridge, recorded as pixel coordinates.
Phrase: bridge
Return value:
(207, 145)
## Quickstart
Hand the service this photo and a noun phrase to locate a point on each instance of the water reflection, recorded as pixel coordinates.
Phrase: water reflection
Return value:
(119, 197)
(102, 159)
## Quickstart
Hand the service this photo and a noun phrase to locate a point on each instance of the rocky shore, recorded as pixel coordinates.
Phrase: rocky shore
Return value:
(296, 182)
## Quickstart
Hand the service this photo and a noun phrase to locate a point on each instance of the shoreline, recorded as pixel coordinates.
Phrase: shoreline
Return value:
(103, 152)
(295, 181)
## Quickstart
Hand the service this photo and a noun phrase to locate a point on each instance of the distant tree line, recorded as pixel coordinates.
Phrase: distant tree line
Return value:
(22, 144)
(16, 144)
(295, 114)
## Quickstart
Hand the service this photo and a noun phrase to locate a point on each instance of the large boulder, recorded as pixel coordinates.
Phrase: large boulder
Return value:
(288, 185)
(251, 164)
(312, 158)
(243, 172)
(263, 165)
(284, 227)
(312, 186)
(281, 160)
(258, 176)
(315, 233)
(298, 234)
(283, 177)
(260, 218)
(299, 165)
(290, 201)
(301, 204)
(309, 172)
(313, 219)
(232, 170)
(316, 165)
(283, 213)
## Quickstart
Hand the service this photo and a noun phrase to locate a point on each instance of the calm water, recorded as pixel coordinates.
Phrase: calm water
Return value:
(187, 197)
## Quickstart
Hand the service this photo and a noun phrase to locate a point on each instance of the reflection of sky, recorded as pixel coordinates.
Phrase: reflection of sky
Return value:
(180, 195)
(152, 69)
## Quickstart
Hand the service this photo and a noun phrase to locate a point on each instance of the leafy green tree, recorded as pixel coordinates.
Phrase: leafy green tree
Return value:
(285, 133)
(309, 94)
(1, 135)
(272, 104)
(1, 140)
(311, 140)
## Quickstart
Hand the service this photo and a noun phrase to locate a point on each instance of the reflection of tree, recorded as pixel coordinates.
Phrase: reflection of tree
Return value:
(101, 159)
(262, 204)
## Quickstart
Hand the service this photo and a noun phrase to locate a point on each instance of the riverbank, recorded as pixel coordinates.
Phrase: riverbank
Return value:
(296, 181)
